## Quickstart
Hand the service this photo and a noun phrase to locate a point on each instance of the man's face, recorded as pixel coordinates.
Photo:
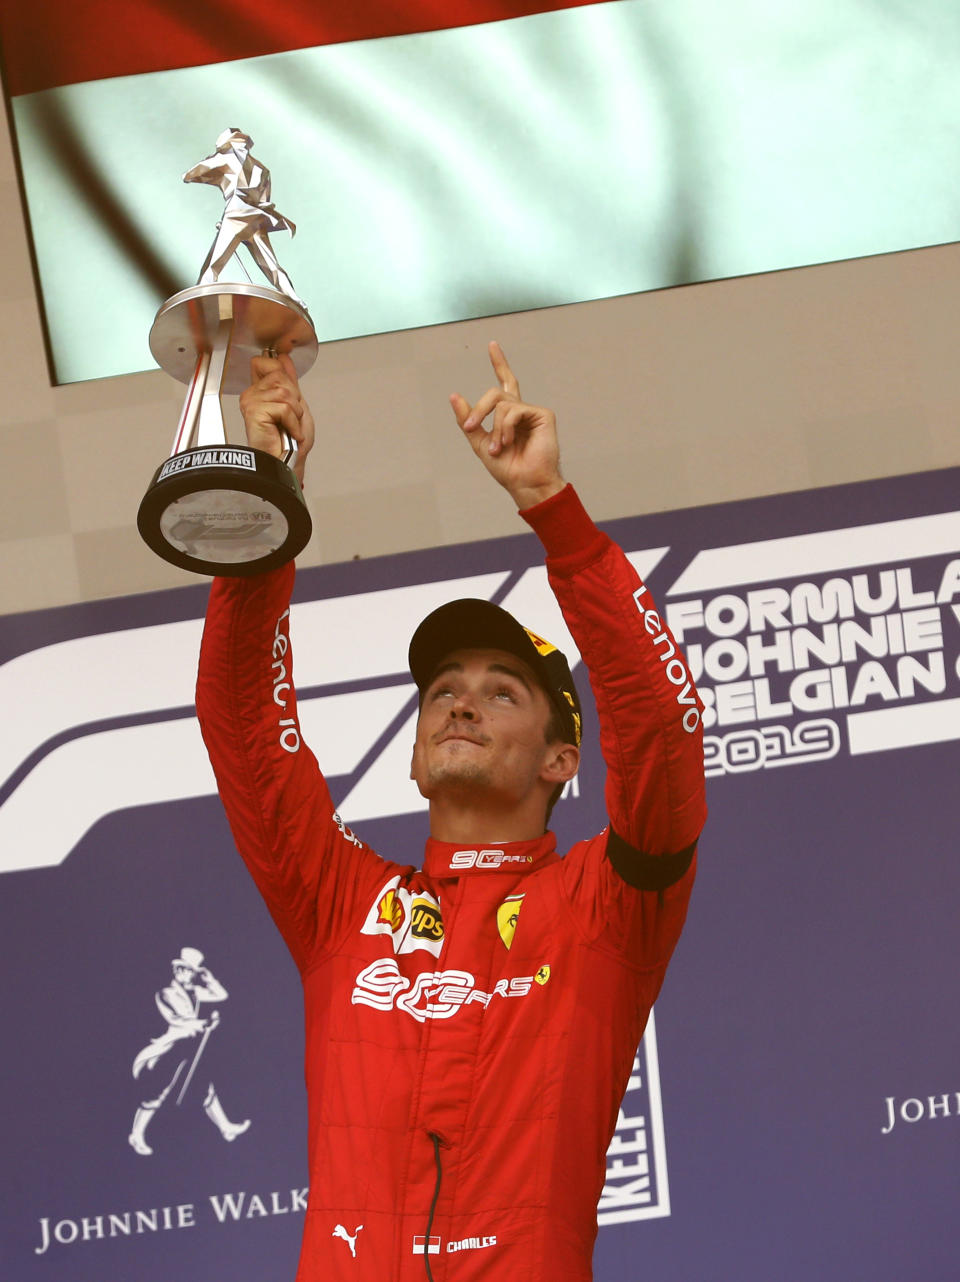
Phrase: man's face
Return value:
(482, 729)
(183, 975)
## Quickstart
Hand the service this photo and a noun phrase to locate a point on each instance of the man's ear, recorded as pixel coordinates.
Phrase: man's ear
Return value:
(561, 764)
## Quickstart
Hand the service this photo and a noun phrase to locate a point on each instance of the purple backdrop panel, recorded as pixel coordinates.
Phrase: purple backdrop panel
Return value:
(794, 1110)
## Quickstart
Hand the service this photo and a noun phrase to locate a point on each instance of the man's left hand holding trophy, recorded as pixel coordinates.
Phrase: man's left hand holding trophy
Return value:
(274, 398)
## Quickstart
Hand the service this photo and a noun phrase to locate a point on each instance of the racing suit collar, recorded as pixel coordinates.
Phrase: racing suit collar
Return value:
(445, 859)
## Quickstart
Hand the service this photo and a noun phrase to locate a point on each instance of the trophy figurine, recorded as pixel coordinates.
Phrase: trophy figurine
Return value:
(212, 507)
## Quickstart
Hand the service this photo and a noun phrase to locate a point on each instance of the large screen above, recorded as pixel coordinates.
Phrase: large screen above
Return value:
(438, 174)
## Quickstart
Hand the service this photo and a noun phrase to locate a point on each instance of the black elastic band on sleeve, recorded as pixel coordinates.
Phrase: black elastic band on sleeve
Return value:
(647, 872)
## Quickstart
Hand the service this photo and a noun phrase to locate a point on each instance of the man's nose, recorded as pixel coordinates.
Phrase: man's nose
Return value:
(463, 708)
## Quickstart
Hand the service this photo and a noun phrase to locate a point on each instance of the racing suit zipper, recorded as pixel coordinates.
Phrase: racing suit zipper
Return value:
(437, 1140)
(451, 902)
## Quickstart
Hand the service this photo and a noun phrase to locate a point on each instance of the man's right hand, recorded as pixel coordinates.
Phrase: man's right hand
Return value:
(273, 401)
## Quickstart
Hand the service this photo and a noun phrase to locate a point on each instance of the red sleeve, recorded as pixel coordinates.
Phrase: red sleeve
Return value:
(650, 713)
(277, 802)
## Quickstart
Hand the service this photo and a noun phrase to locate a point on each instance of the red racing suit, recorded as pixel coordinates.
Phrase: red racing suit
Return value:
(476, 1019)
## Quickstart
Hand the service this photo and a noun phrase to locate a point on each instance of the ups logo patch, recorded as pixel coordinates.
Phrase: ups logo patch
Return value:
(426, 922)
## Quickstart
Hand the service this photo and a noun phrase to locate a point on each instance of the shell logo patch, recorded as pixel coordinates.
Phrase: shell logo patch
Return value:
(542, 975)
(390, 911)
(508, 914)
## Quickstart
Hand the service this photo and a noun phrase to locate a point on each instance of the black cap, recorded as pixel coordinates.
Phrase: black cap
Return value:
(472, 624)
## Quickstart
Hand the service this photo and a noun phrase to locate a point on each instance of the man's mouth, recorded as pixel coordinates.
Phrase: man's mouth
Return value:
(461, 738)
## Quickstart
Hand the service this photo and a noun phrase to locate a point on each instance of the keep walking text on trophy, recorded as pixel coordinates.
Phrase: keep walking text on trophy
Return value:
(213, 507)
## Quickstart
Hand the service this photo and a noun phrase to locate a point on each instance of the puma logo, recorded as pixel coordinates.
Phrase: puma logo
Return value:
(349, 1238)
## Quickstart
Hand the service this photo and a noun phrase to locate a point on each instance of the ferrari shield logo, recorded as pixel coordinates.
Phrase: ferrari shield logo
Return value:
(508, 914)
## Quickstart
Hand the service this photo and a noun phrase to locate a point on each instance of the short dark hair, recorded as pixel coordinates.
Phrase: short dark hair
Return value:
(557, 729)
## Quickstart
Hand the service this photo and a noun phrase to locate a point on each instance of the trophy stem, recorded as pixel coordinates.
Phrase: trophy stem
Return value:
(191, 405)
(211, 428)
(201, 420)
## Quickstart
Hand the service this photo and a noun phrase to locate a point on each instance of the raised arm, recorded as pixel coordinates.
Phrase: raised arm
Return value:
(312, 872)
(649, 711)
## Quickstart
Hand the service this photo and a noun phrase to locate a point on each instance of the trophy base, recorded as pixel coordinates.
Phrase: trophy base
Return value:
(224, 510)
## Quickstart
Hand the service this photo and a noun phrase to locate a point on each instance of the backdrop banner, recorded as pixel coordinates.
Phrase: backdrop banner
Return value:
(794, 1111)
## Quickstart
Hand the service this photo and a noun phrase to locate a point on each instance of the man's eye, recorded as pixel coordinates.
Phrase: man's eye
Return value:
(505, 693)
(440, 691)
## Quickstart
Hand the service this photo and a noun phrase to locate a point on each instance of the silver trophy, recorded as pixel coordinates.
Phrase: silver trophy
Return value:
(213, 507)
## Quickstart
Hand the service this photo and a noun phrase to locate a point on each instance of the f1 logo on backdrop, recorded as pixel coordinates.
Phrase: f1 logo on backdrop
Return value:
(800, 647)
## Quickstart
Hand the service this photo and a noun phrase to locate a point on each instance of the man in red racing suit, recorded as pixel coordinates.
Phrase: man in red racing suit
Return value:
(471, 1025)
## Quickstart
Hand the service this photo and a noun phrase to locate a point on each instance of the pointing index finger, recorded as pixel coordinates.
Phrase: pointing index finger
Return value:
(505, 375)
